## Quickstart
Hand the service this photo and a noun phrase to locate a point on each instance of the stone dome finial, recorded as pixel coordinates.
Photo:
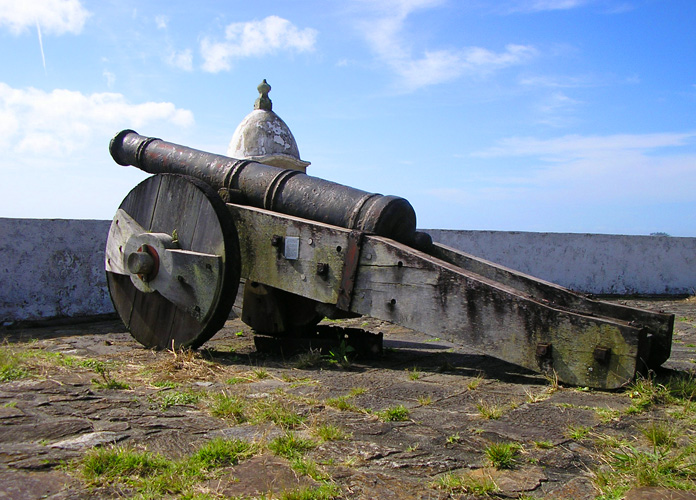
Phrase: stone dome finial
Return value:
(264, 137)
(263, 102)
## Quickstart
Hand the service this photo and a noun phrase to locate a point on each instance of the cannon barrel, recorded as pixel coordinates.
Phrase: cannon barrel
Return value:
(286, 191)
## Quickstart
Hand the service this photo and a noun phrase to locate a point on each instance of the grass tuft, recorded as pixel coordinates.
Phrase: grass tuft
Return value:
(659, 434)
(328, 432)
(473, 384)
(630, 467)
(154, 476)
(290, 446)
(221, 453)
(178, 398)
(645, 392)
(341, 403)
(326, 491)
(466, 483)
(394, 414)
(308, 467)
(577, 432)
(490, 411)
(502, 455)
(228, 406)
(10, 368)
(101, 466)
(278, 412)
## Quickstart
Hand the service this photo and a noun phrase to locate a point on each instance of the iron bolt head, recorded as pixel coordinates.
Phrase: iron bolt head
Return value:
(602, 354)
(543, 350)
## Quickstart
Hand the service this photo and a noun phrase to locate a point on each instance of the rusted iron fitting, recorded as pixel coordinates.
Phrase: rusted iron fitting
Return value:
(602, 354)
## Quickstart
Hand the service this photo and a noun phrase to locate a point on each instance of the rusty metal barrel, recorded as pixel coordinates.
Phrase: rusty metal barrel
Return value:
(286, 191)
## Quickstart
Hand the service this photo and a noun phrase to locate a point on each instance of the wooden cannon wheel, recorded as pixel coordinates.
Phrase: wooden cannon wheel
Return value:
(172, 262)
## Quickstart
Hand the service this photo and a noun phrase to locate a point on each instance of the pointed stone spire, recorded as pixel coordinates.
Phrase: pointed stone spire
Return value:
(263, 102)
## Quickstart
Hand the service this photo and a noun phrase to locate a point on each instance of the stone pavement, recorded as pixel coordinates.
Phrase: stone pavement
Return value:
(425, 410)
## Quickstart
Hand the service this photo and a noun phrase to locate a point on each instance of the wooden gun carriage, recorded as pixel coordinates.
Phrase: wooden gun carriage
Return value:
(298, 248)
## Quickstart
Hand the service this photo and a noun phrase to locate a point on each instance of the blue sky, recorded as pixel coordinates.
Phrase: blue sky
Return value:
(529, 115)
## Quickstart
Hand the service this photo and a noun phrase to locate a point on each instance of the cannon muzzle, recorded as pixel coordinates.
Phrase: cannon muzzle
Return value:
(286, 191)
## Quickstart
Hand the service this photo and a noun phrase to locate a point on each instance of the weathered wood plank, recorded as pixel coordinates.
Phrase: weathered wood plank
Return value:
(659, 325)
(319, 244)
(139, 204)
(407, 287)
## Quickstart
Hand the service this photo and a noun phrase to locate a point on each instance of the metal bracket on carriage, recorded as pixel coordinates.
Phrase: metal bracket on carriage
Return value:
(155, 263)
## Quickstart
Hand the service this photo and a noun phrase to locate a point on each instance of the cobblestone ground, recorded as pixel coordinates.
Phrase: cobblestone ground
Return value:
(407, 425)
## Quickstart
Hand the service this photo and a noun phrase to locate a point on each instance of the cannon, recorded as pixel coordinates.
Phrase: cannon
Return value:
(208, 233)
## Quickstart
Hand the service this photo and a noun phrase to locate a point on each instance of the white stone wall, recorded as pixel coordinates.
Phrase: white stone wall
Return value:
(593, 263)
(55, 268)
(52, 268)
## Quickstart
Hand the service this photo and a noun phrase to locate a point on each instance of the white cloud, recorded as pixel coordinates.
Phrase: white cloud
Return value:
(554, 110)
(61, 122)
(110, 78)
(578, 146)
(384, 29)
(254, 39)
(54, 16)
(561, 81)
(576, 170)
(544, 5)
(447, 65)
(182, 60)
(161, 22)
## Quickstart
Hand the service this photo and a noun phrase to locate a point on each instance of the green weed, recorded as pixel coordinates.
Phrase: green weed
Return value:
(341, 355)
(101, 466)
(10, 368)
(659, 434)
(489, 410)
(473, 384)
(228, 406)
(502, 455)
(577, 432)
(682, 387)
(645, 392)
(326, 491)
(221, 453)
(154, 476)
(455, 438)
(177, 398)
(357, 391)
(414, 373)
(629, 467)
(607, 415)
(278, 412)
(308, 467)
(425, 400)
(290, 446)
(341, 403)
(394, 414)
(328, 432)
(237, 380)
(466, 483)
